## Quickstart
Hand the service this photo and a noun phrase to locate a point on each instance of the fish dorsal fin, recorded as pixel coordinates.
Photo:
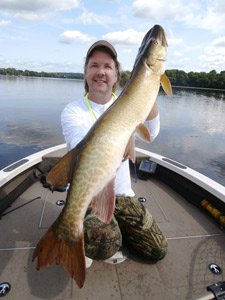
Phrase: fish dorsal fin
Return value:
(130, 150)
(166, 85)
(103, 204)
(144, 133)
(61, 173)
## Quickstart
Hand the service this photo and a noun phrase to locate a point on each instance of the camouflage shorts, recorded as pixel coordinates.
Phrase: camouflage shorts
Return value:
(101, 240)
(132, 222)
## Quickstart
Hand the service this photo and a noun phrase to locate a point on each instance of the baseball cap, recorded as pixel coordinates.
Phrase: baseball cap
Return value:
(102, 43)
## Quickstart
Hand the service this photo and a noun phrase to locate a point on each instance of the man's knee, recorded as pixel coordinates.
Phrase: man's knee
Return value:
(101, 240)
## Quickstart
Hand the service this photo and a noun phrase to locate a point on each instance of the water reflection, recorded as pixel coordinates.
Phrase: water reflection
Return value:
(28, 134)
(218, 165)
(192, 122)
(193, 131)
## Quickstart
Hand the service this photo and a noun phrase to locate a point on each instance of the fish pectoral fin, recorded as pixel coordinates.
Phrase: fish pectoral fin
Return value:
(144, 133)
(130, 150)
(103, 204)
(166, 85)
(70, 253)
(60, 174)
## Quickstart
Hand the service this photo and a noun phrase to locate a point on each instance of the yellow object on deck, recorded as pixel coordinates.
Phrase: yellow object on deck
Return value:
(214, 212)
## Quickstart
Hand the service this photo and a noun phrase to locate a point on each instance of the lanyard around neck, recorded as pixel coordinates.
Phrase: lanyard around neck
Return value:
(90, 109)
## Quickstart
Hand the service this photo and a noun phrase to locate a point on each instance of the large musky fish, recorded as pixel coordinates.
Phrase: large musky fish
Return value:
(91, 166)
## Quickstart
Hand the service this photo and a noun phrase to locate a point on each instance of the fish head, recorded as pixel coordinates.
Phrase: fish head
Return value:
(153, 50)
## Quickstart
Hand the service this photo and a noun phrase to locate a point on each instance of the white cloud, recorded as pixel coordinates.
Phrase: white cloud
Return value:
(173, 42)
(72, 36)
(154, 9)
(213, 56)
(36, 9)
(64, 5)
(89, 18)
(203, 14)
(113, 1)
(220, 42)
(38, 5)
(5, 23)
(211, 17)
(127, 51)
(177, 53)
(127, 37)
(30, 16)
(211, 21)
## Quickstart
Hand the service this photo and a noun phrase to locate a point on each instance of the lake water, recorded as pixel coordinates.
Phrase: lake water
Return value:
(192, 122)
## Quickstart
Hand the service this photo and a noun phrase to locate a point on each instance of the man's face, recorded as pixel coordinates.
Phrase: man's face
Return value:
(101, 73)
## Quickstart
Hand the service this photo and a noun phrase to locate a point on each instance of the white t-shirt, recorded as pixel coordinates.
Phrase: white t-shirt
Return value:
(76, 120)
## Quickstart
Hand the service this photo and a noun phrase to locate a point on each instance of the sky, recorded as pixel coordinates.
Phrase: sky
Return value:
(54, 35)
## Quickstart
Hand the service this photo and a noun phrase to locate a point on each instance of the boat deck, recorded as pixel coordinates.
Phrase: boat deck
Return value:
(194, 238)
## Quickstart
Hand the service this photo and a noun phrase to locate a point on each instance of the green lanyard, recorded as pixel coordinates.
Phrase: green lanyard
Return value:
(90, 109)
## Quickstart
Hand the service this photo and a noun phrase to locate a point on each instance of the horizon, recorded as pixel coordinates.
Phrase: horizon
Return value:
(82, 73)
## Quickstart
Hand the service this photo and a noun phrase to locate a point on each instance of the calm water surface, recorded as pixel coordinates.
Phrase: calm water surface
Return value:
(192, 122)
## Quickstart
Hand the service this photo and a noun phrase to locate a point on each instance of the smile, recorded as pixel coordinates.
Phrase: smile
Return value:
(100, 81)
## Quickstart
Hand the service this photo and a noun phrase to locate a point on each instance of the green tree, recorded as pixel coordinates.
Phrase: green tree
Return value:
(124, 76)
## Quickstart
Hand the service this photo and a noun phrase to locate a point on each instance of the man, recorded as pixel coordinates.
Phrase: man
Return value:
(140, 231)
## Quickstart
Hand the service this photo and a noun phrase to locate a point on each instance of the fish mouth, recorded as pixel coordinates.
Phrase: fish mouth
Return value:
(153, 48)
(148, 65)
(157, 35)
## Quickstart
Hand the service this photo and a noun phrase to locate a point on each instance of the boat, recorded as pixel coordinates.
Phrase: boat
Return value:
(188, 206)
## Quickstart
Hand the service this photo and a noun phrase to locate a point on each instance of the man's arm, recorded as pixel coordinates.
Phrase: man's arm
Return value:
(153, 113)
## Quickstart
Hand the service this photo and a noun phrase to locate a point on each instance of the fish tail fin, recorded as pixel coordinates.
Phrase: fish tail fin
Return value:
(70, 253)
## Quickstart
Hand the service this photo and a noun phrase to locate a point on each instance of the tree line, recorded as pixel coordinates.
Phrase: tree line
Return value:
(14, 72)
(212, 79)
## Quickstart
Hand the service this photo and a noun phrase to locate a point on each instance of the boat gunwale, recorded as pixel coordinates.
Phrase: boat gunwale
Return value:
(201, 180)
(29, 162)
(196, 177)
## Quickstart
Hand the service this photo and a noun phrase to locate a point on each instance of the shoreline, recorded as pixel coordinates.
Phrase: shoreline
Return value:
(197, 88)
